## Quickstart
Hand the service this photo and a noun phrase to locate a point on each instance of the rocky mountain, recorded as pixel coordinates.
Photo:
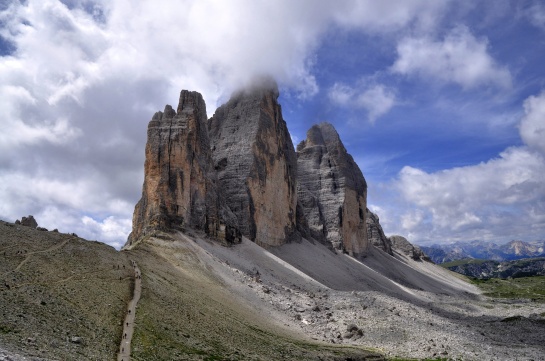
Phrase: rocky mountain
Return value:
(441, 253)
(493, 269)
(269, 193)
(256, 164)
(332, 191)
(180, 184)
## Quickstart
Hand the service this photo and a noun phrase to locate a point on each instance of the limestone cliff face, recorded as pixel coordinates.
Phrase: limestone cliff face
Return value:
(256, 164)
(180, 183)
(375, 233)
(332, 191)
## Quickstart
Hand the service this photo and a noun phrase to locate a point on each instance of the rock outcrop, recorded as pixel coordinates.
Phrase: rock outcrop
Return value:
(332, 191)
(28, 222)
(375, 233)
(256, 164)
(180, 182)
(401, 244)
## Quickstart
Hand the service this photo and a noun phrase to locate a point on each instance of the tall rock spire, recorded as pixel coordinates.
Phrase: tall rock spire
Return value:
(332, 191)
(256, 163)
(180, 182)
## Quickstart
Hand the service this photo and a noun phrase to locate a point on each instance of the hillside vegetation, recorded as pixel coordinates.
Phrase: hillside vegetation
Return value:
(61, 297)
(532, 288)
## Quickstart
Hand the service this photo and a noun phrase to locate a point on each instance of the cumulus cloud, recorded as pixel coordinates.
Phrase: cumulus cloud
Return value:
(459, 58)
(376, 99)
(500, 200)
(532, 126)
(492, 200)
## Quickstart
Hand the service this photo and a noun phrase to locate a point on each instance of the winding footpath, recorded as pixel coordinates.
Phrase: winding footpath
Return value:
(128, 325)
(28, 254)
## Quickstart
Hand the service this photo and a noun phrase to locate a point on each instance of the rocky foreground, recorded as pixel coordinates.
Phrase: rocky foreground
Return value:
(396, 320)
(66, 300)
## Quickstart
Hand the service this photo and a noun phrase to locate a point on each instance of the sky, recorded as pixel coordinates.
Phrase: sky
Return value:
(441, 103)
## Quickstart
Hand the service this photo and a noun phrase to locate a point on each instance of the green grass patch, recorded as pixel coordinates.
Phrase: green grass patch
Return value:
(464, 261)
(532, 288)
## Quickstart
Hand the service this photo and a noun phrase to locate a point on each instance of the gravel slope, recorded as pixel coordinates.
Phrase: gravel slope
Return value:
(430, 312)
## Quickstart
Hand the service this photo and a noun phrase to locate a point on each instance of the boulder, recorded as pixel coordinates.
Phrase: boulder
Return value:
(332, 191)
(29, 222)
(256, 164)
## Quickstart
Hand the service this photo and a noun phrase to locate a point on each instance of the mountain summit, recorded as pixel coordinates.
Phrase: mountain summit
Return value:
(256, 164)
(332, 191)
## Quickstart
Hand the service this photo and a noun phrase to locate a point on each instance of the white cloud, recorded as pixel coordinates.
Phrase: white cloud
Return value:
(491, 200)
(535, 12)
(460, 58)
(111, 229)
(532, 126)
(376, 99)
(498, 200)
(388, 15)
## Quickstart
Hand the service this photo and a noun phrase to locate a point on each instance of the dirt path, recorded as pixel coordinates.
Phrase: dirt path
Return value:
(128, 325)
(29, 254)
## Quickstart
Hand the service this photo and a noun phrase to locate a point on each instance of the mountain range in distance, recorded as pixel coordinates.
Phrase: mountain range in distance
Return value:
(484, 250)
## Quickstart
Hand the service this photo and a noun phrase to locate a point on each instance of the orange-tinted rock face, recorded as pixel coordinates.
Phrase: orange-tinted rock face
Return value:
(332, 191)
(255, 160)
(180, 183)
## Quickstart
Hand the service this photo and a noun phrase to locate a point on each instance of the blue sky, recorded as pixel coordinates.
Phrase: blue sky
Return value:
(442, 104)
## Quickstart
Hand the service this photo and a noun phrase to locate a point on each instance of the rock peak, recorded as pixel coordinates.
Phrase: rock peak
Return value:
(180, 183)
(190, 101)
(332, 191)
(256, 163)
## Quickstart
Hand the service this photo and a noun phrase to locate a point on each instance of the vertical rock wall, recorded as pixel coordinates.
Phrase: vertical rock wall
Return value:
(375, 233)
(332, 191)
(180, 183)
(256, 164)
